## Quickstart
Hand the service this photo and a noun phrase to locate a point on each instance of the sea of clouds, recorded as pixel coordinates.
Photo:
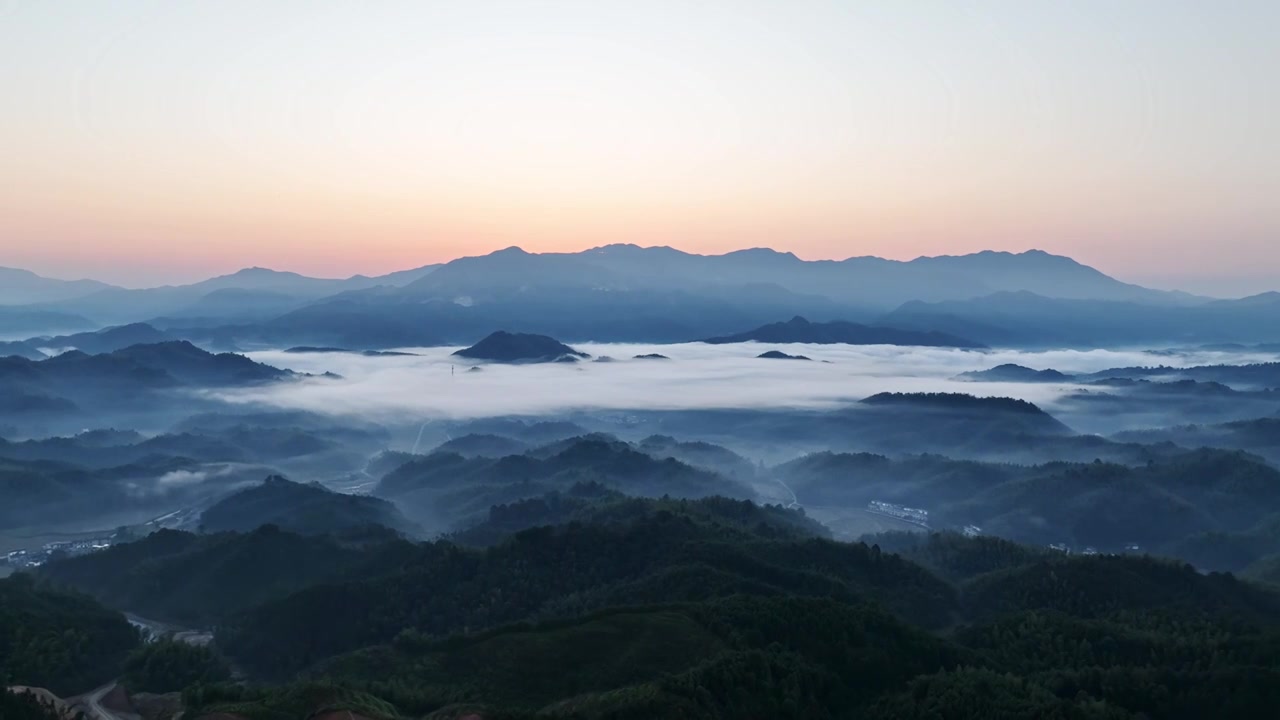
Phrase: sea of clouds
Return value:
(434, 384)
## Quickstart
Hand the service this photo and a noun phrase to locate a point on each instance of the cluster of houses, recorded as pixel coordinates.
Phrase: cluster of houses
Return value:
(1090, 551)
(27, 559)
(912, 515)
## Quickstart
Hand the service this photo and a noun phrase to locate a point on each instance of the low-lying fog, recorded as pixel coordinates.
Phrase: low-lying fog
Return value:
(433, 384)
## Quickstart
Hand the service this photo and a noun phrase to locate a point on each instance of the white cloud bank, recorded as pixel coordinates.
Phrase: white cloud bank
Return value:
(400, 388)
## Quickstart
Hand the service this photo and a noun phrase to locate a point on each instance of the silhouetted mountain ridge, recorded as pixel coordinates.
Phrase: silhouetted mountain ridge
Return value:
(800, 330)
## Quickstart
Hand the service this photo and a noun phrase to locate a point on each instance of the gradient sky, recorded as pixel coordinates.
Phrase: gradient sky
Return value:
(162, 141)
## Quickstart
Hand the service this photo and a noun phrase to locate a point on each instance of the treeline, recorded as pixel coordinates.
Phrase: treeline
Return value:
(65, 642)
(702, 609)
(447, 490)
(25, 706)
(168, 665)
(1040, 635)
(1218, 509)
(199, 580)
(562, 572)
(594, 503)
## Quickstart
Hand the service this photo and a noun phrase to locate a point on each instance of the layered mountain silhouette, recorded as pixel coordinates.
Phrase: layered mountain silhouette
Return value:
(871, 282)
(22, 350)
(24, 320)
(133, 379)
(1026, 318)
(251, 294)
(22, 287)
(626, 293)
(800, 330)
(105, 340)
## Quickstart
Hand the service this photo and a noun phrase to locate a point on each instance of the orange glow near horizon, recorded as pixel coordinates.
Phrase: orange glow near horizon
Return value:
(148, 143)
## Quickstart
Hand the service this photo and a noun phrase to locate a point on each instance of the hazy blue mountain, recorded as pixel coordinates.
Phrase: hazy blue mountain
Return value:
(1028, 319)
(105, 340)
(252, 294)
(483, 445)
(1259, 376)
(868, 282)
(800, 330)
(21, 349)
(305, 509)
(861, 281)
(445, 490)
(958, 426)
(628, 293)
(23, 287)
(134, 379)
(58, 494)
(22, 321)
(1111, 405)
(698, 454)
(1260, 436)
(394, 317)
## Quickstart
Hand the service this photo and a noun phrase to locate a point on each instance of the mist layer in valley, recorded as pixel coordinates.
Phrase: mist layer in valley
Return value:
(244, 491)
(428, 384)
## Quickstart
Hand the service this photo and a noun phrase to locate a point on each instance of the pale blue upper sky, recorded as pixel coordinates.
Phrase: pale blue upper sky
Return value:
(156, 140)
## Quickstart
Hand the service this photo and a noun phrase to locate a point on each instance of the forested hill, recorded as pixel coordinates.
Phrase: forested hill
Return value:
(713, 608)
(65, 642)
(306, 509)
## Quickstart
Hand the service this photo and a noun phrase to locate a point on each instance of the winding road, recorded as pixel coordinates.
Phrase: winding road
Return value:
(93, 703)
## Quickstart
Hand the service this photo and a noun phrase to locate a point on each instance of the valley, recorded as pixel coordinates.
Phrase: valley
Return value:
(408, 530)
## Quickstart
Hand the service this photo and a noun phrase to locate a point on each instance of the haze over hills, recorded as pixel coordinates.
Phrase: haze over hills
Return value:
(249, 294)
(592, 476)
(23, 287)
(24, 321)
(800, 330)
(628, 293)
(711, 502)
(660, 294)
(867, 282)
(309, 509)
(1025, 318)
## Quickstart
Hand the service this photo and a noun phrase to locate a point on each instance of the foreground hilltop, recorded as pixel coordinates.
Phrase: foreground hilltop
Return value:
(591, 605)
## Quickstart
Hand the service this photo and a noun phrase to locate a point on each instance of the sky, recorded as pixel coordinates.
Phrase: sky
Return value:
(151, 141)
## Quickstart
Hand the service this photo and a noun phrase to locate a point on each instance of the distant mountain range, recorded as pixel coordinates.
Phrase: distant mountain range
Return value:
(1255, 377)
(1025, 318)
(800, 330)
(23, 287)
(250, 294)
(625, 293)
